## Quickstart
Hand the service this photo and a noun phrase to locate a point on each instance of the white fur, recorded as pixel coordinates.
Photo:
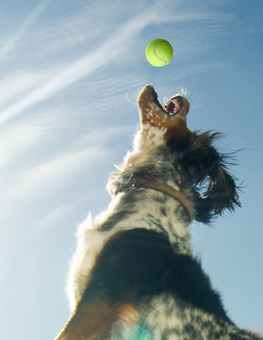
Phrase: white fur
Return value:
(164, 314)
(91, 239)
(90, 242)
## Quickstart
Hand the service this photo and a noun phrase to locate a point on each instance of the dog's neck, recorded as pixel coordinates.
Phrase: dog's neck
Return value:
(168, 190)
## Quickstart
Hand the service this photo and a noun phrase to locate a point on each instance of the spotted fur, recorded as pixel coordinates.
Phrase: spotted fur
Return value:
(133, 275)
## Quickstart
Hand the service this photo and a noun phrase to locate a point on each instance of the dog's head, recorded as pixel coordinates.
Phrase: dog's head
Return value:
(170, 119)
(165, 149)
(192, 153)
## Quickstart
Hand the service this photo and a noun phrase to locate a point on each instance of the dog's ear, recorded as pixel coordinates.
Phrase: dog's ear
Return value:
(221, 192)
(216, 187)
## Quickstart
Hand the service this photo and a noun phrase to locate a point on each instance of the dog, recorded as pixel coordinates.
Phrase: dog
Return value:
(134, 275)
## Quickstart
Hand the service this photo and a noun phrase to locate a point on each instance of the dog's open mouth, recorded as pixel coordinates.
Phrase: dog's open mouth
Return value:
(171, 108)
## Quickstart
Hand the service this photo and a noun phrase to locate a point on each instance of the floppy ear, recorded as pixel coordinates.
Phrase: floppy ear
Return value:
(221, 189)
(216, 189)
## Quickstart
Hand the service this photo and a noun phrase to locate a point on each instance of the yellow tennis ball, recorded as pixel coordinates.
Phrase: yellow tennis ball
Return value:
(159, 52)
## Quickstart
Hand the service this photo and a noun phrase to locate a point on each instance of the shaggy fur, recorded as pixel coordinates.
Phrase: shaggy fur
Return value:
(133, 275)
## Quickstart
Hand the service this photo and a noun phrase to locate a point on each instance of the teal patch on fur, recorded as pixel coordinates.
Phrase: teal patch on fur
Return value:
(135, 333)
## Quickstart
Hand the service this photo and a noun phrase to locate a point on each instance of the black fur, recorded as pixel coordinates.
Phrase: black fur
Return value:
(149, 266)
(204, 166)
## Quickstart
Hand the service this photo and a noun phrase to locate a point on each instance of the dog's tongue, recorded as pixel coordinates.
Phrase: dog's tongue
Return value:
(177, 106)
(173, 107)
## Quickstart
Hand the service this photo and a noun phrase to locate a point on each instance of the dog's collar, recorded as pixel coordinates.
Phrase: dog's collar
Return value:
(168, 190)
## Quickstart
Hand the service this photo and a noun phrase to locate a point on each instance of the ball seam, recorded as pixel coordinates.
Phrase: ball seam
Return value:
(157, 55)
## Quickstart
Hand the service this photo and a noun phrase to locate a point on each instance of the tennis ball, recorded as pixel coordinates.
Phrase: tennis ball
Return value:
(159, 52)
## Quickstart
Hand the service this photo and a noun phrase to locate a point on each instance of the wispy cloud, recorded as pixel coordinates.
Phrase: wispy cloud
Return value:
(67, 73)
(45, 179)
(24, 27)
(80, 68)
(199, 68)
(60, 172)
(18, 84)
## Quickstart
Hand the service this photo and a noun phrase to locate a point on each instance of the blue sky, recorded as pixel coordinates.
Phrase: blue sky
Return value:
(70, 75)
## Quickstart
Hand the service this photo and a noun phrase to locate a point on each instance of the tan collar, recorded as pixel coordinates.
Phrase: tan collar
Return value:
(166, 189)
